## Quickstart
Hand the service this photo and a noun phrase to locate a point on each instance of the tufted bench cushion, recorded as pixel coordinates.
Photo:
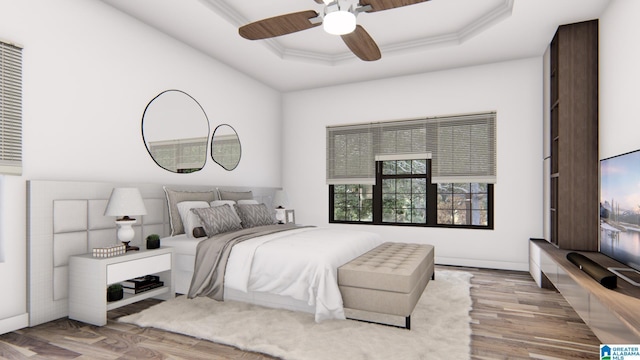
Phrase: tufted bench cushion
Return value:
(388, 279)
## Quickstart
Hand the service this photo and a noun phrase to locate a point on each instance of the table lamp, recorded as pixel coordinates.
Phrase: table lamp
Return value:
(123, 203)
(280, 201)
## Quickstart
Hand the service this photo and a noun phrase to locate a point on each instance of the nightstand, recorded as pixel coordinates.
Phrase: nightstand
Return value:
(90, 276)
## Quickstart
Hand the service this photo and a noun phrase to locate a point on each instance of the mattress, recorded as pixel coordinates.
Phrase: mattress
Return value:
(295, 269)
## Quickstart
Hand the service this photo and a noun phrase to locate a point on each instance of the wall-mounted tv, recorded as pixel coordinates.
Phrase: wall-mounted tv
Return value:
(620, 212)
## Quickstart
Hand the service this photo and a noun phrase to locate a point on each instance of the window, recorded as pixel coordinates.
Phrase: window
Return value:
(424, 172)
(406, 196)
(10, 109)
(463, 204)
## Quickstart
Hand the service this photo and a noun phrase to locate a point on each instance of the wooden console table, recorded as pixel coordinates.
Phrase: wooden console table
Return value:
(613, 315)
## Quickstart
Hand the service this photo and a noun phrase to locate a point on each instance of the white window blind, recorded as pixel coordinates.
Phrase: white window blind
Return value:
(350, 156)
(10, 109)
(183, 155)
(465, 149)
(462, 148)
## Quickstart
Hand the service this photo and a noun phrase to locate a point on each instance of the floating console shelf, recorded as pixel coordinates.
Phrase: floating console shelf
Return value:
(612, 314)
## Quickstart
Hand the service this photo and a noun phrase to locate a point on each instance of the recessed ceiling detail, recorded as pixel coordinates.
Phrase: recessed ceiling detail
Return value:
(473, 24)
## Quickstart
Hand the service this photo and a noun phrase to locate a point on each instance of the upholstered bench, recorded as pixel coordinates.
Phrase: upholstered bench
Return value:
(388, 279)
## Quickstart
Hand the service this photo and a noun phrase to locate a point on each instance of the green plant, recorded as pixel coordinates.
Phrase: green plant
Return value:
(114, 292)
(153, 237)
(114, 287)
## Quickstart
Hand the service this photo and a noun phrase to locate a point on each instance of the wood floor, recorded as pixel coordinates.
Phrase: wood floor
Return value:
(511, 319)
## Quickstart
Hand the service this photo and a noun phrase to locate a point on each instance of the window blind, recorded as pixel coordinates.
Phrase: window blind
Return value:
(462, 148)
(180, 155)
(465, 149)
(10, 109)
(350, 156)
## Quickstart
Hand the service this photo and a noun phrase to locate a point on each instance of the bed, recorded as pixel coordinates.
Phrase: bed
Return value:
(284, 266)
(66, 218)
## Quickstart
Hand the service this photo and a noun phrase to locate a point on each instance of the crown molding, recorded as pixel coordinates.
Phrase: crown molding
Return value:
(475, 27)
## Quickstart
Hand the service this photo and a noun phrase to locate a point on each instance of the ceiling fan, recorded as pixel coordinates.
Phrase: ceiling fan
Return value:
(338, 18)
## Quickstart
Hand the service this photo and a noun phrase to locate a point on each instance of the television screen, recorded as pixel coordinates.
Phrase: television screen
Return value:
(620, 208)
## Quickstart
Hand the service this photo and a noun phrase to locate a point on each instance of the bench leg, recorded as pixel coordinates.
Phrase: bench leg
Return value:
(407, 322)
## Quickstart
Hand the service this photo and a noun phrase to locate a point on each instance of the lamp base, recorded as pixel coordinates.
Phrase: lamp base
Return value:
(126, 232)
(130, 248)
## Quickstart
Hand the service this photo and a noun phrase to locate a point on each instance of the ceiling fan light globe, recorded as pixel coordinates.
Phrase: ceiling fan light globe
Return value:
(339, 22)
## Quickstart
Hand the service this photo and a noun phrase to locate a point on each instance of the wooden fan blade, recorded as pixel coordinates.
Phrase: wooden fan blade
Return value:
(379, 5)
(362, 45)
(278, 25)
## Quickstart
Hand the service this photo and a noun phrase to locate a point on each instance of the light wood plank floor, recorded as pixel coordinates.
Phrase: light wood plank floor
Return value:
(511, 319)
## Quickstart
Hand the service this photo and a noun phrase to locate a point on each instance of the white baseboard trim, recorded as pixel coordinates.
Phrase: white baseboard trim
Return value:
(14, 323)
(486, 264)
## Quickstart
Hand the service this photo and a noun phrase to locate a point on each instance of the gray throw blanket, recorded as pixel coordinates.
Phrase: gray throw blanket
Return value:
(212, 255)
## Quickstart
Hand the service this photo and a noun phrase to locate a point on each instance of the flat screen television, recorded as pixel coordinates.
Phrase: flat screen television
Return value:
(620, 213)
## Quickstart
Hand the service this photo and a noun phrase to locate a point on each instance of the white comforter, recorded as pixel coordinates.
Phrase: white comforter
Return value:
(301, 264)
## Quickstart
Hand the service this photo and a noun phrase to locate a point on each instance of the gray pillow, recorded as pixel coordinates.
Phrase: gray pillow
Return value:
(219, 219)
(175, 196)
(253, 215)
(235, 195)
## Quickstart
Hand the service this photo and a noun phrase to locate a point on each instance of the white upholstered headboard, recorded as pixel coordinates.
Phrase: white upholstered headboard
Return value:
(66, 218)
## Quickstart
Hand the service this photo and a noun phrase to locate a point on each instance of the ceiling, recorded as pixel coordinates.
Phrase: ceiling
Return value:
(429, 36)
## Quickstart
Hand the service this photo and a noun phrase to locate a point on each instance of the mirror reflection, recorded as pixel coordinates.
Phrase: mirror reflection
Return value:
(225, 147)
(175, 130)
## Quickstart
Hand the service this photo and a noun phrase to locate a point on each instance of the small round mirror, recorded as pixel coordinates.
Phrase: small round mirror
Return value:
(225, 147)
(175, 130)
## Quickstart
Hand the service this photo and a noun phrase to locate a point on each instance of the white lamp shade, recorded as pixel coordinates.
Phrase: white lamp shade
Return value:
(280, 199)
(339, 22)
(125, 202)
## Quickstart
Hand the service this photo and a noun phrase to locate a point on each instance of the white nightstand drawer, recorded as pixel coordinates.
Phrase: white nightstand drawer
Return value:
(139, 267)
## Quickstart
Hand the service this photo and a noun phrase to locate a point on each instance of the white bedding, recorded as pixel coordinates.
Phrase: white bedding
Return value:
(300, 264)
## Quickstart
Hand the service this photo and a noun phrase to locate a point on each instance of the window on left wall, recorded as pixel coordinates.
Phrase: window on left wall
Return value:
(10, 109)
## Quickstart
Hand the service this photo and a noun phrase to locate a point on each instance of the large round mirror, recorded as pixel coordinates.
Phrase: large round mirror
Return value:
(225, 147)
(175, 130)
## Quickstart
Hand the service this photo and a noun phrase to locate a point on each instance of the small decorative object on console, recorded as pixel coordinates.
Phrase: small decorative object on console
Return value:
(109, 251)
(153, 241)
(114, 292)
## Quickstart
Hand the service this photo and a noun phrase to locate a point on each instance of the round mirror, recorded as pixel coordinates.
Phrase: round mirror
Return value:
(175, 130)
(225, 147)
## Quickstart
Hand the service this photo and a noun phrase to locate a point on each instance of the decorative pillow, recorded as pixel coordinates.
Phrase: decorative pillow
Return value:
(219, 219)
(199, 232)
(189, 219)
(253, 215)
(231, 203)
(235, 195)
(175, 196)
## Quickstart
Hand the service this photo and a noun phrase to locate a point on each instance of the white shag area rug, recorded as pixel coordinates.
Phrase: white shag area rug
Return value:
(440, 327)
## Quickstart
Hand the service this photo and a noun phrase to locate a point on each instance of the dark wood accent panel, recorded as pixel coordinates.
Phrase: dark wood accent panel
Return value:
(574, 136)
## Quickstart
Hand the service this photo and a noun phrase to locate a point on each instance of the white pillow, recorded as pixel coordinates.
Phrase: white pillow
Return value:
(248, 202)
(189, 219)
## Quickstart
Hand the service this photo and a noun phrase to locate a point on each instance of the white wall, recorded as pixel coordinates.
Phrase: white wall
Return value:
(89, 71)
(619, 78)
(513, 89)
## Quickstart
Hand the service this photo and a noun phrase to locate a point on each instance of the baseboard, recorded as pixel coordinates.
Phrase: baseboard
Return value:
(486, 264)
(14, 323)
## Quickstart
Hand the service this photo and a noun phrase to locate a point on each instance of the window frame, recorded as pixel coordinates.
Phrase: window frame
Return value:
(431, 206)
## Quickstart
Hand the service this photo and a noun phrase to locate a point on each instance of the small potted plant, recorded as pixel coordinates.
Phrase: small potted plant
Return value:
(153, 241)
(114, 292)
